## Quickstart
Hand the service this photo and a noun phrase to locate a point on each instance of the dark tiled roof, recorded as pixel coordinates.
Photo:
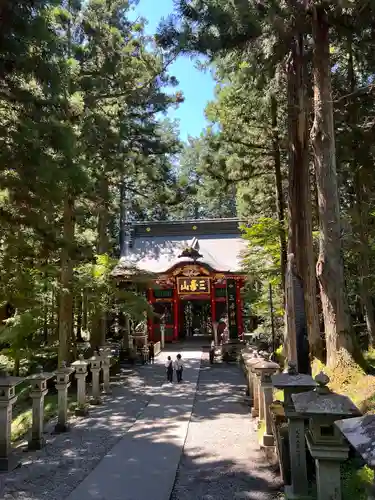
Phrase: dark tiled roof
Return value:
(157, 246)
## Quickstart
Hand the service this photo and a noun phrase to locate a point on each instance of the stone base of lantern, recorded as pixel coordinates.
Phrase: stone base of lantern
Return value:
(81, 411)
(60, 428)
(36, 444)
(254, 412)
(9, 463)
(95, 401)
(267, 440)
(290, 495)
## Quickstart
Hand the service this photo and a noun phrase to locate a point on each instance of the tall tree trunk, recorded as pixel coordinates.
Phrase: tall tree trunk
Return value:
(280, 206)
(103, 216)
(122, 217)
(85, 306)
(98, 331)
(361, 214)
(79, 304)
(300, 241)
(330, 268)
(52, 317)
(66, 294)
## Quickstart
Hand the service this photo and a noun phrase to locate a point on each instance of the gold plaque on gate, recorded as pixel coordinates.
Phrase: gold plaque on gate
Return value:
(187, 286)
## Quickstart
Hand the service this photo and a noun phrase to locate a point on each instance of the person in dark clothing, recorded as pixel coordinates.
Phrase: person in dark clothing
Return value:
(178, 366)
(169, 367)
(151, 352)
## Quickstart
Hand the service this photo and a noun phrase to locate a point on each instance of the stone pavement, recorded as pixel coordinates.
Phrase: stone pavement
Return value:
(143, 464)
(221, 458)
(147, 431)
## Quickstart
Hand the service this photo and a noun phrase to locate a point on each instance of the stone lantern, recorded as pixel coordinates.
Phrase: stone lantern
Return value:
(327, 445)
(62, 386)
(265, 369)
(80, 367)
(95, 365)
(293, 382)
(38, 392)
(7, 399)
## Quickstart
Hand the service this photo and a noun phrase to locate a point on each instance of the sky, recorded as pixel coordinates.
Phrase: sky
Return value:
(197, 87)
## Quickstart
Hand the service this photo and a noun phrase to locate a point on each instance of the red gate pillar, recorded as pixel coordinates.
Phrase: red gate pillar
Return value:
(213, 302)
(239, 311)
(150, 322)
(176, 319)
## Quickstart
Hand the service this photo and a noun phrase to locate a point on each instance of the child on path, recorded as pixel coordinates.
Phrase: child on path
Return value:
(178, 366)
(169, 367)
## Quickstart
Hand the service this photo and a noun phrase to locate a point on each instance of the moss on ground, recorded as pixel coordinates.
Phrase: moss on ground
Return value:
(22, 417)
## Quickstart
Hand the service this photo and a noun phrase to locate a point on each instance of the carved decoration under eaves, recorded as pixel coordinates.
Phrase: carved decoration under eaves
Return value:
(166, 282)
(190, 271)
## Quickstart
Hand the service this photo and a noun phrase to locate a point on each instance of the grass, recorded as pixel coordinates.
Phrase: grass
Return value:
(355, 480)
(22, 421)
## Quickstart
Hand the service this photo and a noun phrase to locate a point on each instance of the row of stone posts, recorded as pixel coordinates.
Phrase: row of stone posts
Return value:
(311, 410)
(38, 381)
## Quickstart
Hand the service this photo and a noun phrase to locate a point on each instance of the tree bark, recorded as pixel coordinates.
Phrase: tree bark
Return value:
(361, 203)
(85, 306)
(280, 205)
(78, 303)
(300, 241)
(66, 293)
(103, 216)
(98, 331)
(330, 268)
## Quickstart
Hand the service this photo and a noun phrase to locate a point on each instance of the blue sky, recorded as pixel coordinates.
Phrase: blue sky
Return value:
(197, 86)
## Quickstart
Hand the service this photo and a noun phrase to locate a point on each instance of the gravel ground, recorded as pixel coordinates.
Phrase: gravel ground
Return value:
(52, 473)
(221, 458)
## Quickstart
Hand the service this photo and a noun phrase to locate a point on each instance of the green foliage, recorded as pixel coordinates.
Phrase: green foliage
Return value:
(262, 264)
(82, 89)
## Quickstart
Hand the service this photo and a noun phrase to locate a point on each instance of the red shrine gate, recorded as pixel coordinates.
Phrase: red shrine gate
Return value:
(195, 292)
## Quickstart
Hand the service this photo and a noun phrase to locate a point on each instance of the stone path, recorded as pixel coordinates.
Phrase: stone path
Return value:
(143, 464)
(221, 458)
(131, 447)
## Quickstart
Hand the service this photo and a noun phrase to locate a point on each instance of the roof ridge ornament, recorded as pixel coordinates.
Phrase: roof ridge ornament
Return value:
(195, 243)
(191, 251)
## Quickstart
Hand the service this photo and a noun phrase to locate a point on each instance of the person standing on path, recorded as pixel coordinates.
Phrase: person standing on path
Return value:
(212, 352)
(151, 352)
(169, 367)
(179, 366)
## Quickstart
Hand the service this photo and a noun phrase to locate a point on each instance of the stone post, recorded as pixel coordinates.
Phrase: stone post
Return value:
(8, 461)
(247, 355)
(260, 393)
(255, 386)
(95, 363)
(324, 440)
(215, 324)
(265, 370)
(106, 365)
(38, 392)
(359, 432)
(295, 383)
(62, 385)
(162, 335)
(80, 367)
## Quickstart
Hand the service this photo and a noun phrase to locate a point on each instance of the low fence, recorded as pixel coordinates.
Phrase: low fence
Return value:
(98, 366)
